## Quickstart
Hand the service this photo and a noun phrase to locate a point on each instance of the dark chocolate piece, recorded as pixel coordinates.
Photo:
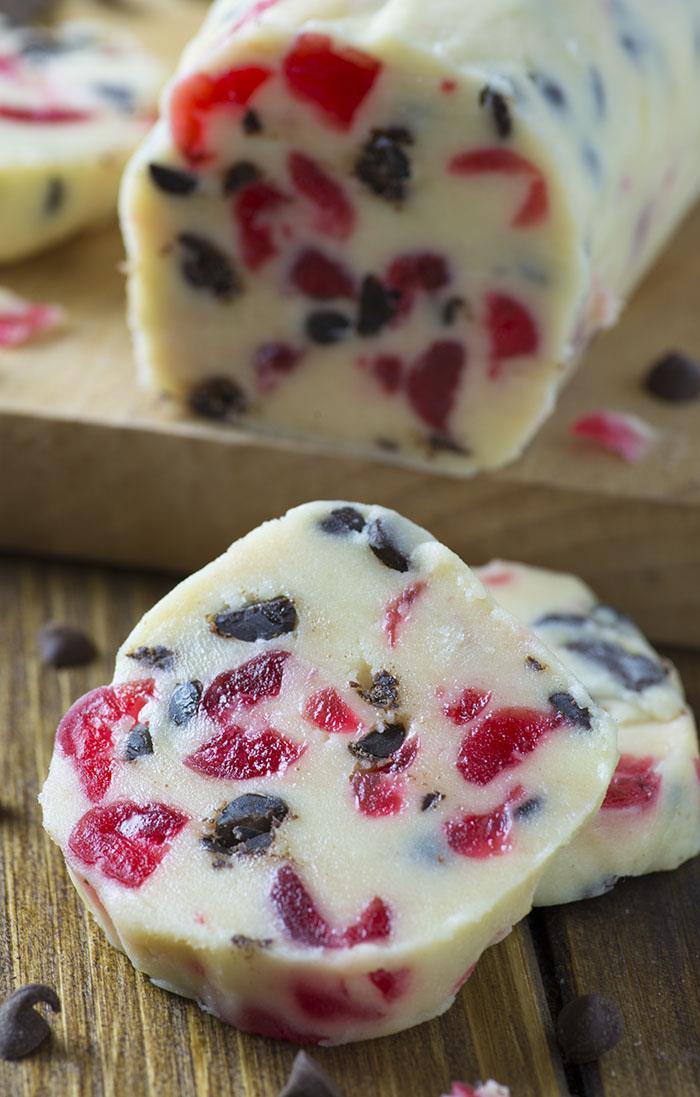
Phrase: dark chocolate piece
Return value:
(341, 521)
(239, 175)
(65, 646)
(246, 825)
(218, 398)
(157, 657)
(529, 808)
(258, 621)
(588, 1027)
(308, 1079)
(118, 95)
(498, 105)
(570, 709)
(573, 619)
(383, 692)
(184, 702)
(173, 180)
(383, 165)
(674, 378)
(138, 743)
(22, 1029)
(431, 800)
(550, 90)
(251, 123)
(206, 267)
(55, 197)
(380, 743)
(327, 326)
(635, 672)
(534, 664)
(451, 309)
(378, 306)
(384, 549)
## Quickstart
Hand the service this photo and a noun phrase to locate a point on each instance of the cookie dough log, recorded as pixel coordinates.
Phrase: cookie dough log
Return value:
(74, 103)
(395, 225)
(650, 817)
(328, 774)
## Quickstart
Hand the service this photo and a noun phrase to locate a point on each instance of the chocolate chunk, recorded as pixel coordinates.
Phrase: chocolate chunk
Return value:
(380, 743)
(327, 326)
(22, 1029)
(218, 398)
(550, 89)
(431, 800)
(384, 549)
(55, 197)
(246, 825)
(377, 306)
(674, 378)
(251, 123)
(258, 621)
(570, 709)
(251, 944)
(575, 620)
(239, 175)
(534, 664)
(158, 657)
(529, 808)
(588, 1027)
(308, 1079)
(184, 702)
(383, 692)
(451, 309)
(118, 95)
(65, 646)
(635, 672)
(383, 166)
(441, 443)
(173, 180)
(206, 267)
(341, 521)
(498, 105)
(138, 743)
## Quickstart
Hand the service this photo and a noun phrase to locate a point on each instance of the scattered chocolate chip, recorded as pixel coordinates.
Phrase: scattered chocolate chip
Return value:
(377, 306)
(308, 1079)
(598, 92)
(251, 123)
(534, 664)
(138, 743)
(529, 808)
(635, 672)
(184, 702)
(569, 708)
(431, 800)
(341, 521)
(452, 307)
(65, 646)
(573, 619)
(498, 105)
(384, 549)
(383, 692)
(550, 89)
(251, 944)
(588, 1027)
(239, 175)
(218, 398)
(22, 1029)
(258, 621)
(327, 326)
(173, 180)
(631, 45)
(674, 378)
(387, 444)
(246, 825)
(118, 95)
(55, 196)
(380, 743)
(383, 166)
(440, 443)
(158, 657)
(206, 267)
(591, 159)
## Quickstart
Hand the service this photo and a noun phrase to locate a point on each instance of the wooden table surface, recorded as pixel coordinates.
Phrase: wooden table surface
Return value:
(117, 1035)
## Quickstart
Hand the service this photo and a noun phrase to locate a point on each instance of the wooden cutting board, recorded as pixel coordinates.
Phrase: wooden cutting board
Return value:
(93, 468)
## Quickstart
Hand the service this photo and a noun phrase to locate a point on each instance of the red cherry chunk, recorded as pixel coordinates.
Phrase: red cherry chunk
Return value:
(377, 794)
(195, 96)
(409, 274)
(305, 924)
(634, 784)
(244, 686)
(337, 81)
(388, 370)
(321, 278)
(331, 1004)
(126, 841)
(469, 704)
(335, 214)
(511, 328)
(621, 434)
(327, 710)
(434, 380)
(501, 741)
(260, 1022)
(392, 985)
(231, 755)
(273, 361)
(253, 208)
(481, 836)
(45, 116)
(535, 208)
(399, 611)
(25, 320)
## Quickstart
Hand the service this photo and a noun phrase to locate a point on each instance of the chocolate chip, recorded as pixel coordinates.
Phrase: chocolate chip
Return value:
(534, 664)
(258, 621)
(158, 657)
(65, 646)
(384, 549)
(327, 326)
(383, 166)
(308, 1079)
(22, 1029)
(440, 443)
(498, 105)
(598, 92)
(635, 672)
(431, 800)
(450, 310)
(570, 709)
(674, 378)
(573, 619)
(246, 825)
(251, 944)
(138, 743)
(55, 197)
(251, 123)
(341, 521)
(239, 175)
(377, 306)
(173, 180)
(206, 267)
(588, 1027)
(380, 743)
(550, 89)
(529, 808)
(383, 692)
(118, 95)
(184, 702)
(218, 398)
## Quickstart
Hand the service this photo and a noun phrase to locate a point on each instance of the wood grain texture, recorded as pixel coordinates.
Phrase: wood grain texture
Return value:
(118, 1035)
